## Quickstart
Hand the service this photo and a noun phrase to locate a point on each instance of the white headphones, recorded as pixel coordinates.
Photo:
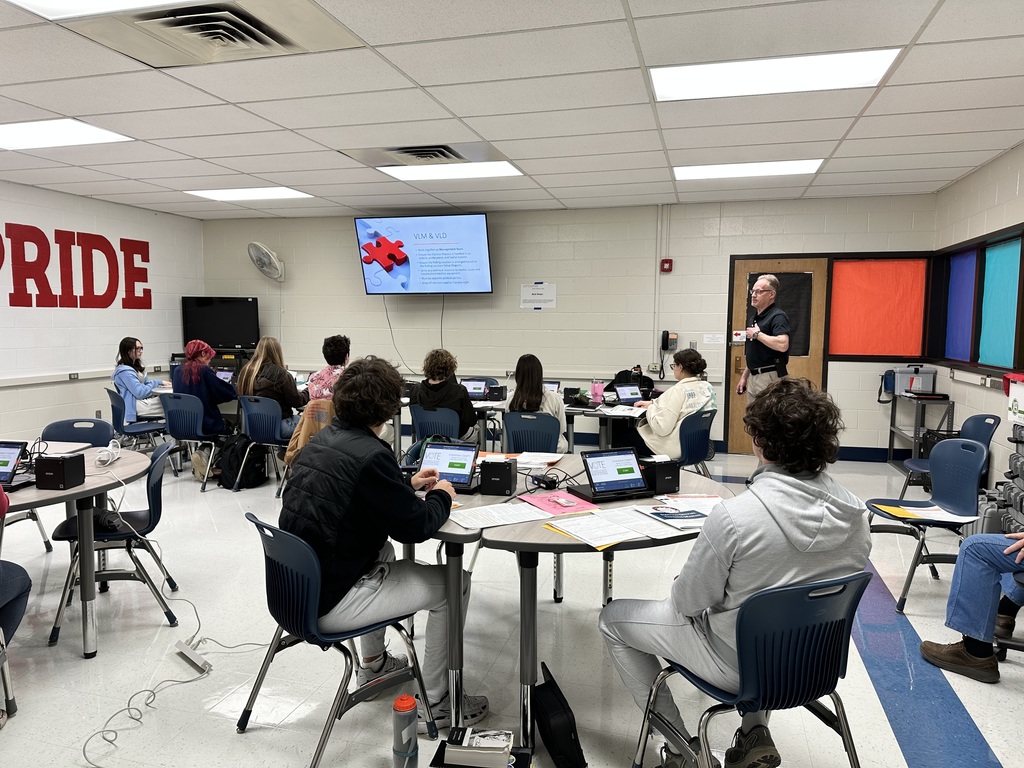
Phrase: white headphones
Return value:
(107, 456)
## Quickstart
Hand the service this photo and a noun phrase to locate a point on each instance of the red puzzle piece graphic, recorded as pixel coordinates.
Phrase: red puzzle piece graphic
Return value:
(385, 253)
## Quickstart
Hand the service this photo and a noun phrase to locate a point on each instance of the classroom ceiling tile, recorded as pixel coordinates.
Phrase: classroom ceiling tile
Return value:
(782, 107)
(971, 60)
(753, 153)
(971, 19)
(618, 190)
(294, 161)
(284, 77)
(941, 97)
(641, 8)
(101, 94)
(493, 196)
(733, 195)
(519, 54)
(64, 174)
(568, 146)
(226, 145)
(347, 190)
(513, 205)
(167, 169)
(391, 134)
(636, 117)
(325, 176)
(47, 52)
(761, 133)
(755, 182)
(942, 175)
(475, 185)
(94, 188)
(350, 109)
(779, 30)
(874, 190)
(961, 121)
(17, 161)
(13, 111)
(586, 163)
(544, 94)
(224, 181)
(896, 162)
(614, 201)
(948, 142)
(637, 176)
(183, 122)
(102, 154)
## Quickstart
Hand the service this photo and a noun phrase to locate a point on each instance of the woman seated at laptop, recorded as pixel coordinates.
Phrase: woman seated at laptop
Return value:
(440, 390)
(266, 376)
(195, 377)
(133, 385)
(531, 396)
(658, 432)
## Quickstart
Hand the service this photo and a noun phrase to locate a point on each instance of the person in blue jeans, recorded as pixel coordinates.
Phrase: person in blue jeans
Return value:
(984, 569)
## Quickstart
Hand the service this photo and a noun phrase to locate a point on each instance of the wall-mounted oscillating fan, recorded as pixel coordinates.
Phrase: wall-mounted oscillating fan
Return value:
(266, 261)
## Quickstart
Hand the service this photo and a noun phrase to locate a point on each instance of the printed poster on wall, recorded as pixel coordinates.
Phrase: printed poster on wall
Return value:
(537, 296)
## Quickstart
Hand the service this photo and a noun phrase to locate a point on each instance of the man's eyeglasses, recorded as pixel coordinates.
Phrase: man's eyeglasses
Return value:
(757, 291)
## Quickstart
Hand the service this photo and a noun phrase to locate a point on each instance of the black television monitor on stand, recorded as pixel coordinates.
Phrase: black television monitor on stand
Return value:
(226, 323)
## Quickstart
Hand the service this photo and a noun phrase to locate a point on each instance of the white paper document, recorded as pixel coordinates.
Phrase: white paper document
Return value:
(622, 410)
(698, 502)
(594, 530)
(926, 513)
(534, 459)
(632, 518)
(497, 514)
(682, 519)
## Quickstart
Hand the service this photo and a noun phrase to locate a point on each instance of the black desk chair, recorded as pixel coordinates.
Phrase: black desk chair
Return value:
(130, 534)
(792, 644)
(185, 424)
(132, 434)
(978, 428)
(536, 432)
(293, 597)
(261, 421)
(956, 467)
(694, 439)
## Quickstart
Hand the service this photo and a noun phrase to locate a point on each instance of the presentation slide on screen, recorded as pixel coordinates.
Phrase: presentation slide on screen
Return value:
(425, 254)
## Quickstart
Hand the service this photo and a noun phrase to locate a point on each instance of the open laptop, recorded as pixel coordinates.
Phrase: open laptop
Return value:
(11, 454)
(629, 394)
(225, 375)
(477, 388)
(552, 385)
(455, 462)
(613, 474)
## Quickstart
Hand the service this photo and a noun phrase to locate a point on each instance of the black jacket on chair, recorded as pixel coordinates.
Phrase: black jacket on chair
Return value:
(346, 497)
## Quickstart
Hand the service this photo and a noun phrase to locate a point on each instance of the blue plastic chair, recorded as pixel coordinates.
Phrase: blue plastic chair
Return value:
(95, 432)
(261, 421)
(694, 439)
(440, 421)
(132, 529)
(293, 597)
(792, 645)
(185, 424)
(531, 432)
(979, 428)
(132, 433)
(956, 467)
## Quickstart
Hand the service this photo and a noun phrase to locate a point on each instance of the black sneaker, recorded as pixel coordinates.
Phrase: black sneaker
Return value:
(753, 750)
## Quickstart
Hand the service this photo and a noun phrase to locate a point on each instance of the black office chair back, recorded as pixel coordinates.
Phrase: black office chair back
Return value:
(694, 437)
(95, 432)
(261, 419)
(441, 421)
(184, 417)
(793, 642)
(956, 466)
(155, 484)
(293, 581)
(531, 432)
(116, 410)
(980, 428)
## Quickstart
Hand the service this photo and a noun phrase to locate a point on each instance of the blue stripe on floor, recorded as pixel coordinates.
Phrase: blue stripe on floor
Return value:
(930, 723)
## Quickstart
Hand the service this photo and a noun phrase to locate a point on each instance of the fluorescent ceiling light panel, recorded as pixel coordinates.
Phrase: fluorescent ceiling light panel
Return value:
(741, 170)
(54, 133)
(825, 72)
(68, 9)
(486, 170)
(250, 193)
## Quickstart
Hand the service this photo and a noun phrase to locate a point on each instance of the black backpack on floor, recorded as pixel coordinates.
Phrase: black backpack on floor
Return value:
(229, 460)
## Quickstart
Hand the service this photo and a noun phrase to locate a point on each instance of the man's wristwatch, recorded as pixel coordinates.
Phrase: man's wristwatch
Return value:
(756, 334)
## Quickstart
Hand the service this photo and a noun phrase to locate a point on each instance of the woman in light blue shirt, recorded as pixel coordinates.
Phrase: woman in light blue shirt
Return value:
(133, 385)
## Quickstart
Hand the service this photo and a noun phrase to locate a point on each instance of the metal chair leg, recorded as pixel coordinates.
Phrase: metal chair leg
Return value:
(916, 561)
(209, 466)
(65, 594)
(34, 515)
(5, 679)
(340, 699)
(238, 477)
(272, 649)
(148, 546)
(906, 483)
(143, 575)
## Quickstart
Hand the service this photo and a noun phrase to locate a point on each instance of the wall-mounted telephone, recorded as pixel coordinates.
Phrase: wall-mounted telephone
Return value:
(669, 341)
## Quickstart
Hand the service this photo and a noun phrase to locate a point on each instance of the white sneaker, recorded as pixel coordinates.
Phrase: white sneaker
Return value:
(391, 663)
(474, 709)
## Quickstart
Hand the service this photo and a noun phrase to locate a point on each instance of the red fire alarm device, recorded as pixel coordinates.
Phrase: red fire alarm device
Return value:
(666, 265)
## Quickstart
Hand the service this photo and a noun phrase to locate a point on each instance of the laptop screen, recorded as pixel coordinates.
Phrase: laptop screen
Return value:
(454, 463)
(10, 457)
(552, 385)
(225, 375)
(628, 393)
(475, 387)
(614, 470)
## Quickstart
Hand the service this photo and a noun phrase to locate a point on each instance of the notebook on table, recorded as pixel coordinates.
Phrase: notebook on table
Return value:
(628, 393)
(613, 475)
(455, 462)
(11, 454)
(477, 388)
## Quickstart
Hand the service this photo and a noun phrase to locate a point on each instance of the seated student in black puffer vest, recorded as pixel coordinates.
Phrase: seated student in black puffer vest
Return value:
(345, 498)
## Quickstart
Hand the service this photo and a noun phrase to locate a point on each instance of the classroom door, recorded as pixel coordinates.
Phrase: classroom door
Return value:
(807, 281)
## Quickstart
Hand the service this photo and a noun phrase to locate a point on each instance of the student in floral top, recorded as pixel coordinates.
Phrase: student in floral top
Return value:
(321, 383)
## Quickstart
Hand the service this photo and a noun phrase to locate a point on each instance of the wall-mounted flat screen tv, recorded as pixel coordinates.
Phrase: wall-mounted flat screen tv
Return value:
(424, 254)
(223, 322)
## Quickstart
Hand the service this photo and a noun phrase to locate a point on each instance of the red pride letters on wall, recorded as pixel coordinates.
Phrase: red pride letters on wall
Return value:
(103, 276)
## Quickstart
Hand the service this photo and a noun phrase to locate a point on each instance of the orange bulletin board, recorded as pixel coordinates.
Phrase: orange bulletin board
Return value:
(877, 307)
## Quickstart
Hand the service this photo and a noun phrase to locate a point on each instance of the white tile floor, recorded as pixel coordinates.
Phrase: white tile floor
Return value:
(215, 556)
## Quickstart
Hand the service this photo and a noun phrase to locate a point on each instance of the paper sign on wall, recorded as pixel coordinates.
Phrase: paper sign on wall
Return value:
(537, 296)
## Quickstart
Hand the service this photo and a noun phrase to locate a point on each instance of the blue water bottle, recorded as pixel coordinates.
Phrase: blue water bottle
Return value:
(405, 748)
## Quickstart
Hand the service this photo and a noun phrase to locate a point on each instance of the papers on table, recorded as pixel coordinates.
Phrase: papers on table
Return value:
(594, 530)
(678, 518)
(496, 514)
(622, 410)
(534, 460)
(559, 503)
(925, 513)
(698, 502)
(634, 519)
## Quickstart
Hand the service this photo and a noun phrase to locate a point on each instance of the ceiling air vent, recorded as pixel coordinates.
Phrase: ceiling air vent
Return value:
(432, 154)
(206, 33)
(437, 154)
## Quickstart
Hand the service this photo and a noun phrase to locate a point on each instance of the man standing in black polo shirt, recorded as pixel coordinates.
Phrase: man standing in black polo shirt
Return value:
(767, 347)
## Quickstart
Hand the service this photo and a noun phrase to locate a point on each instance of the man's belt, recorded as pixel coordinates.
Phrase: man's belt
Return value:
(763, 369)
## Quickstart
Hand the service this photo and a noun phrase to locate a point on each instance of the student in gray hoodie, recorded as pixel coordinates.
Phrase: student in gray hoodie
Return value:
(794, 524)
